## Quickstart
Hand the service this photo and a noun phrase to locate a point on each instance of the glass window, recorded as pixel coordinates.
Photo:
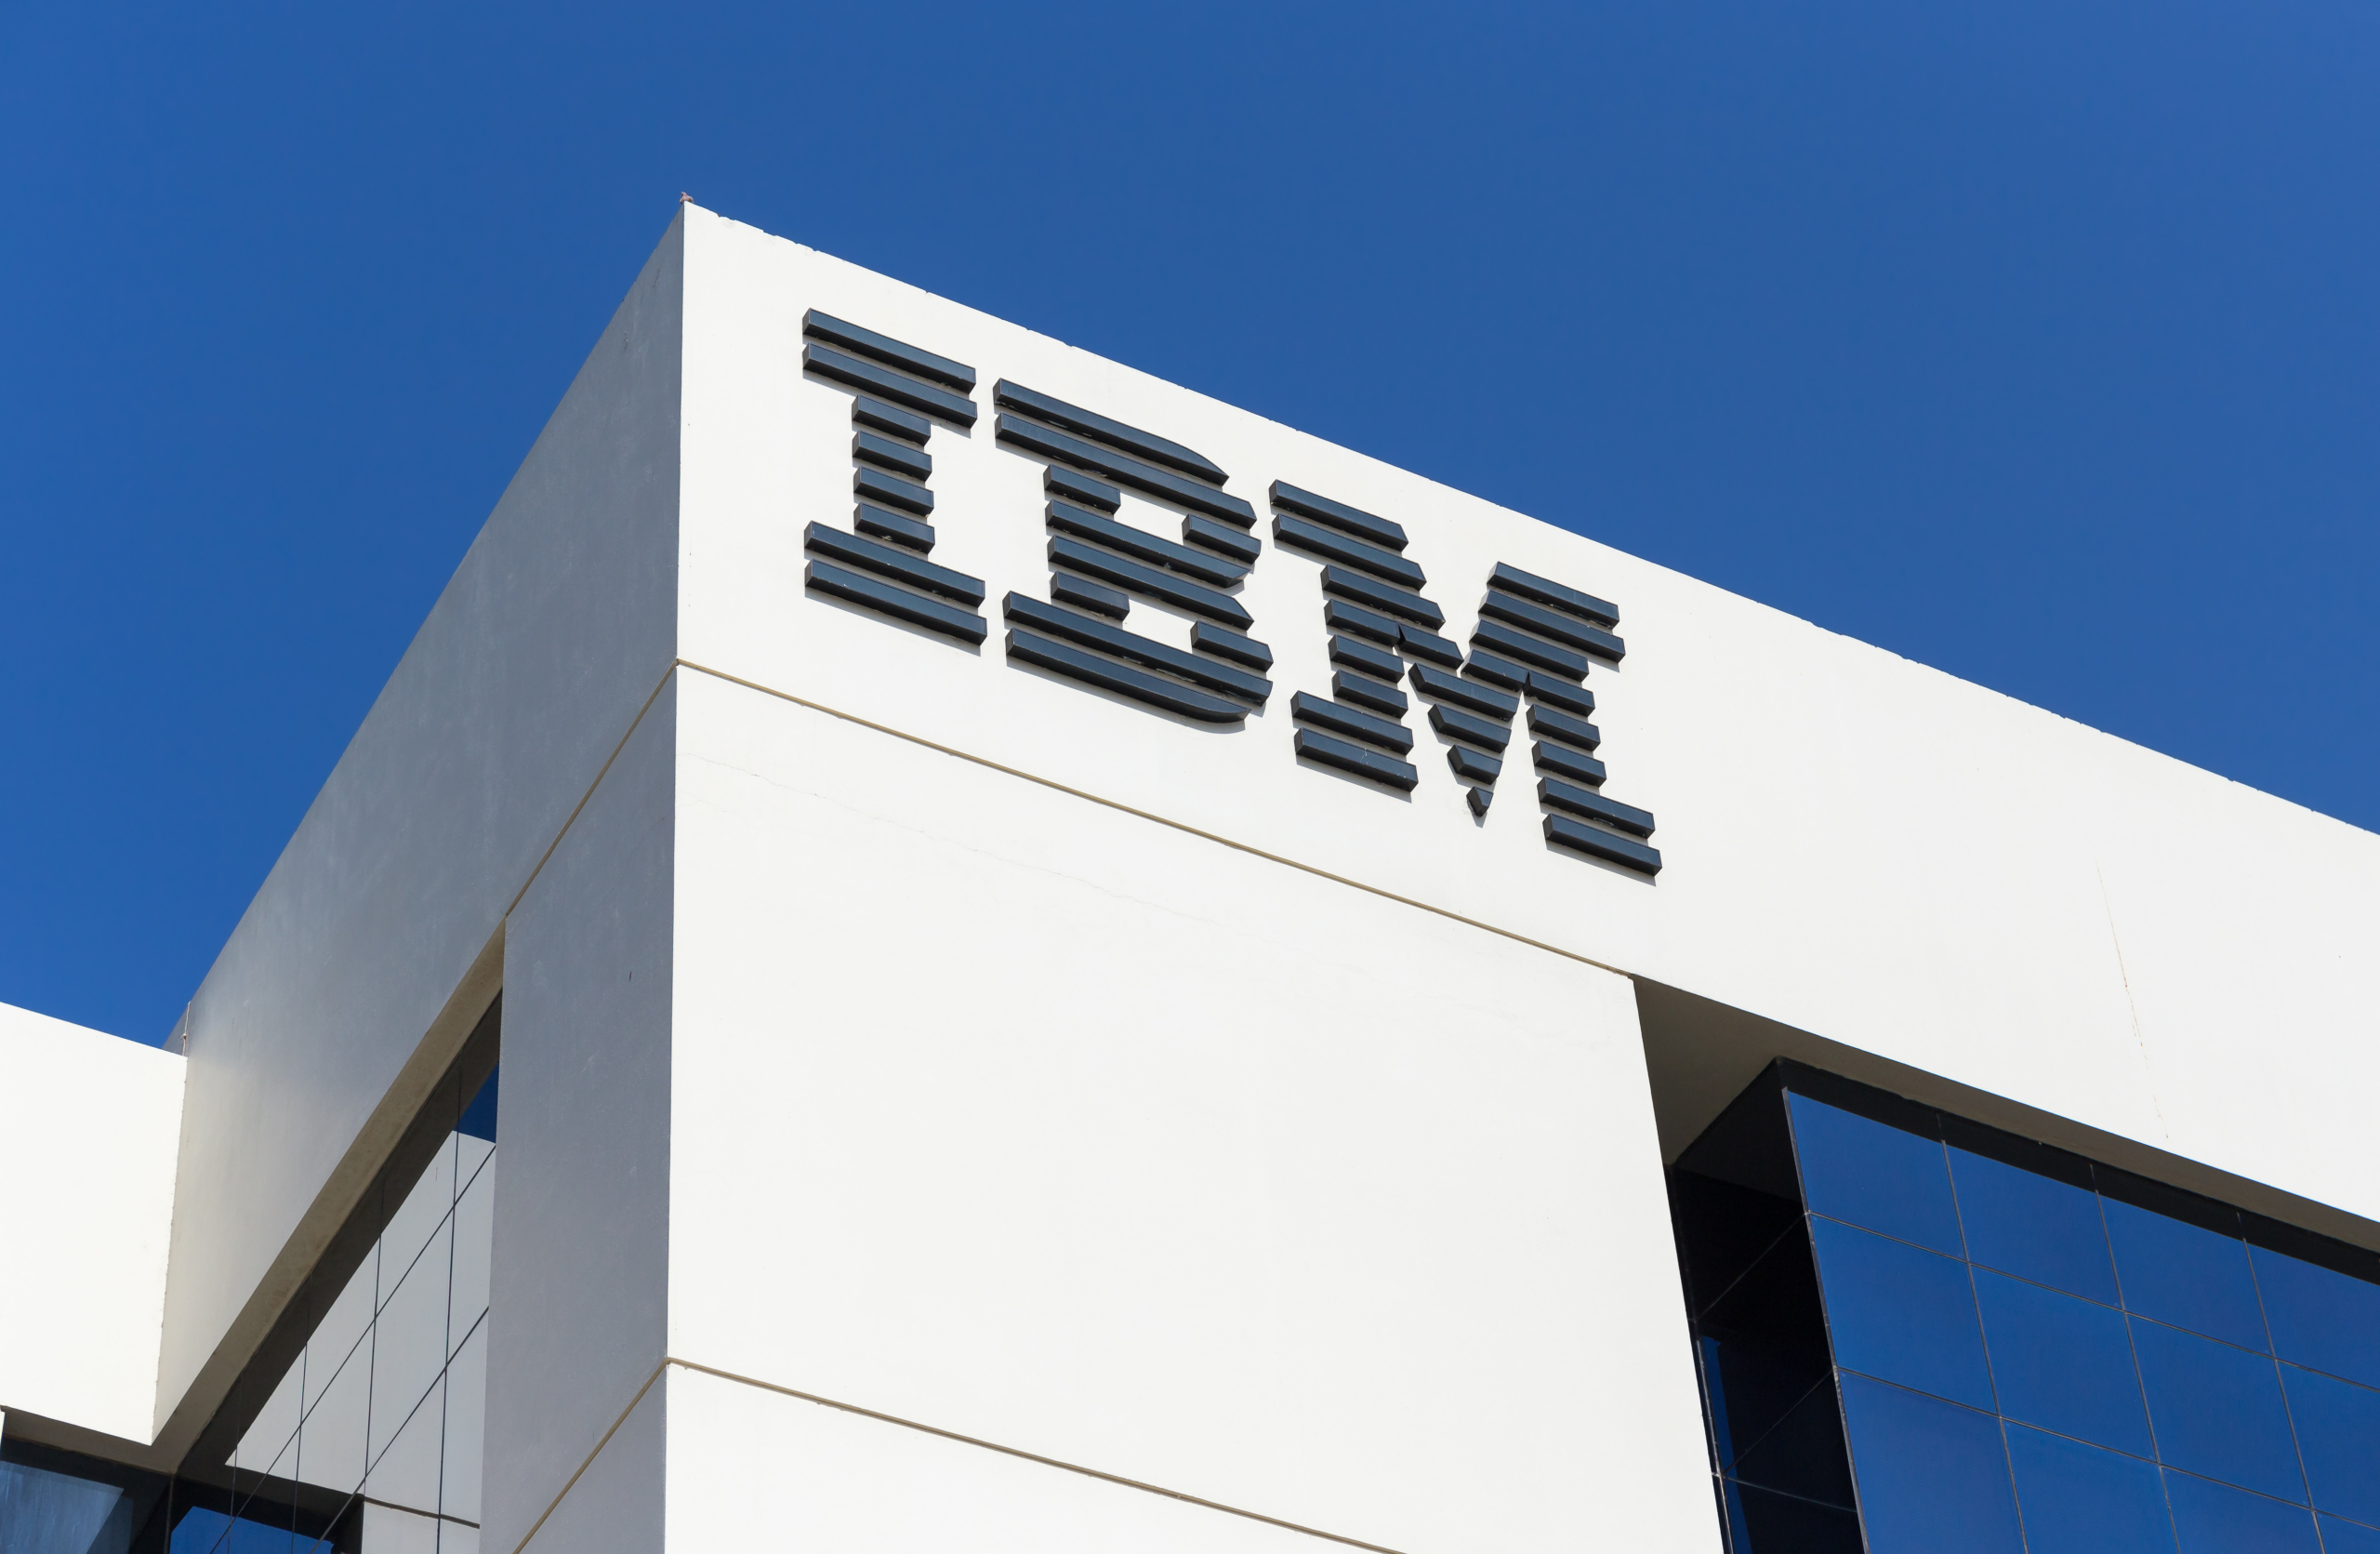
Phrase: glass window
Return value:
(2033, 1226)
(1874, 1176)
(390, 1443)
(2062, 1363)
(1803, 1454)
(1723, 1229)
(42, 1510)
(2079, 1499)
(2321, 1319)
(1760, 1522)
(2219, 1397)
(1764, 1347)
(479, 1117)
(2215, 1519)
(2338, 1432)
(1901, 1314)
(1932, 1476)
(2348, 1537)
(2218, 1410)
(371, 1438)
(2181, 1274)
(205, 1531)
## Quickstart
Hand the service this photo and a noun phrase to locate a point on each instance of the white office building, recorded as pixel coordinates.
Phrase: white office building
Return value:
(939, 946)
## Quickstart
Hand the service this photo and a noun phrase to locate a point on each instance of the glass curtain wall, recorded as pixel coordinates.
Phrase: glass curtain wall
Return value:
(372, 1440)
(54, 1502)
(1915, 1333)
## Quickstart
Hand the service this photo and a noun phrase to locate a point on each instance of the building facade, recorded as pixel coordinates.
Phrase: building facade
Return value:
(1052, 964)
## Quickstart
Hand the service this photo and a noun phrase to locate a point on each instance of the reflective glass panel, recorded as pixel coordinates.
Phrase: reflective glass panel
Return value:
(2181, 1274)
(2319, 1319)
(1723, 1229)
(2062, 1363)
(2217, 1397)
(2348, 1537)
(2338, 1433)
(1803, 1455)
(1901, 1314)
(2215, 1519)
(1932, 1476)
(41, 1510)
(2218, 1410)
(200, 1532)
(377, 1424)
(1761, 1522)
(1765, 1346)
(2033, 1226)
(1874, 1176)
(246, 1535)
(2079, 1499)
(479, 1117)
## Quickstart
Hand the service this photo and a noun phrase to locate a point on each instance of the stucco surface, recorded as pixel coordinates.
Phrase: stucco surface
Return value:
(578, 1304)
(1856, 846)
(89, 1125)
(1023, 1118)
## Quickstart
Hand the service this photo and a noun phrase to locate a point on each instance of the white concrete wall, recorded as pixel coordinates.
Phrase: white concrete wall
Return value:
(556, 628)
(615, 1505)
(750, 1469)
(88, 1127)
(1856, 846)
(1009, 1114)
(581, 1287)
(1020, 1065)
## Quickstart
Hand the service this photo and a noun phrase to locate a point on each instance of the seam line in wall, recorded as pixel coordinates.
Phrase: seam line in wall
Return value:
(597, 1451)
(580, 1471)
(572, 819)
(416, 1510)
(1158, 819)
(1029, 1456)
(2132, 1006)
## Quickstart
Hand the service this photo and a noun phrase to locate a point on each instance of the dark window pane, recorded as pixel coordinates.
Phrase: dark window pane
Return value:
(2348, 1537)
(2216, 1519)
(479, 1117)
(2079, 1499)
(1750, 1144)
(1874, 1176)
(1715, 1408)
(2328, 1320)
(2218, 1410)
(1803, 1454)
(2338, 1434)
(2033, 1227)
(2062, 1363)
(1764, 1346)
(2181, 1274)
(1900, 1313)
(1722, 1230)
(1932, 1476)
(1762, 1521)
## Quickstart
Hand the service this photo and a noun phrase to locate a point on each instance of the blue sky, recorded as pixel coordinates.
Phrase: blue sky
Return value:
(2039, 342)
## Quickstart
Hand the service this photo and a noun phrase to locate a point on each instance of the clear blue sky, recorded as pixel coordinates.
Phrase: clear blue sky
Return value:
(2040, 342)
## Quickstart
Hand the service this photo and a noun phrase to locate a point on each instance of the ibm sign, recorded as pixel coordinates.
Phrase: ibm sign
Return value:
(1534, 645)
